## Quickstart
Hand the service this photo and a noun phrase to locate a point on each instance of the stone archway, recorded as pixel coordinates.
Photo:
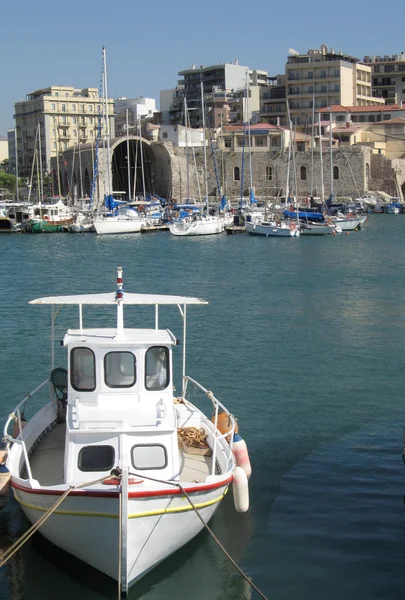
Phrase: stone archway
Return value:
(148, 168)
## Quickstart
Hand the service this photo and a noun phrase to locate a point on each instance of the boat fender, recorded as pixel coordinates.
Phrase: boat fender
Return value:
(240, 490)
(241, 454)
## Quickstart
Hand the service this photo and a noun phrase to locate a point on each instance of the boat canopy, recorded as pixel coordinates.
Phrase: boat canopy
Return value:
(110, 298)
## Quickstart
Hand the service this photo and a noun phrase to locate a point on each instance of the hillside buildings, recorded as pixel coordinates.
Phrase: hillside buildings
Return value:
(221, 83)
(137, 108)
(388, 76)
(66, 116)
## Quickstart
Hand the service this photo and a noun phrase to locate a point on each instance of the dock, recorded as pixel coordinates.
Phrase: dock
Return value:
(149, 228)
(233, 229)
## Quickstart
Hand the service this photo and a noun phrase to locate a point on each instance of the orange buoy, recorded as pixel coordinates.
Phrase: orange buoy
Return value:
(240, 490)
(224, 423)
(241, 454)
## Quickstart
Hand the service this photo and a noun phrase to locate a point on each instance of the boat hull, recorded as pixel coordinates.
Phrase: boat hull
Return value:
(197, 227)
(87, 526)
(271, 230)
(42, 226)
(114, 225)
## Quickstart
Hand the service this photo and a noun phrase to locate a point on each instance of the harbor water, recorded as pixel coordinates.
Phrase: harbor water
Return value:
(304, 341)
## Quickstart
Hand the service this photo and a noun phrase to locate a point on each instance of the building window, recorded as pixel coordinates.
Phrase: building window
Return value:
(74, 120)
(236, 174)
(91, 133)
(336, 173)
(269, 173)
(90, 107)
(73, 107)
(228, 143)
(165, 136)
(65, 145)
(63, 107)
(56, 93)
(74, 132)
(303, 173)
(53, 106)
(91, 120)
(82, 107)
(63, 120)
(259, 142)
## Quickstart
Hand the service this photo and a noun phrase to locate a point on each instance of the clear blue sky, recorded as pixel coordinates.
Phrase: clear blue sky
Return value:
(59, 43)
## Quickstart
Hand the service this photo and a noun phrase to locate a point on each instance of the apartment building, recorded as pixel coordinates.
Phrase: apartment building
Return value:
(223, 77)
(273, 101)
(331, 77)
(67, 116)
(138, 108)
(388, 76)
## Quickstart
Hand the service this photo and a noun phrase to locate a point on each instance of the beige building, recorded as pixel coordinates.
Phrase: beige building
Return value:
(331, 77)
(67, 117)
(381, 129)
(388, 76)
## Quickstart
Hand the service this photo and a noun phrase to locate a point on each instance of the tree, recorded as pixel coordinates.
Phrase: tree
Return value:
(7, 181)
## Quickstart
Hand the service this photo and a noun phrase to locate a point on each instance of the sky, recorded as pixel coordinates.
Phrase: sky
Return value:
(59, 43)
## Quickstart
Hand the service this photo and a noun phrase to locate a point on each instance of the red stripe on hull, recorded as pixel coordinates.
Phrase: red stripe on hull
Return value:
(145, 494)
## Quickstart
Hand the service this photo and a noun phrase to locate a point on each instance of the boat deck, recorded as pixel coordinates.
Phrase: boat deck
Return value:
(47, 460)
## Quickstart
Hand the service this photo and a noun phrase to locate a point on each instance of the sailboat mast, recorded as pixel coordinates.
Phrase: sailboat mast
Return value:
(16, 163)
(249, 136)
(312, 146)
(40, 163)
(205, 147)
(287, 185)
(186, 131)
(321, 159)
(331, 155)
(142, 165)
(107, 121)
(128, 161)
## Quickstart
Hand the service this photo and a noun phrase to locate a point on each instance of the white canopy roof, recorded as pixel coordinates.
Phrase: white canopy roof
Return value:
(109, 298)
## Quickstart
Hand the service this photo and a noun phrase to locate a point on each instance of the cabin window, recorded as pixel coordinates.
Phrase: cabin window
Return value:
(157, 368)
(83, 370)
(96, 458)
(119, 369)
(149, 456)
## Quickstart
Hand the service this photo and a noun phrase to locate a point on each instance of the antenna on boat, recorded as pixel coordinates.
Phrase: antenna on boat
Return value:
(119, 296)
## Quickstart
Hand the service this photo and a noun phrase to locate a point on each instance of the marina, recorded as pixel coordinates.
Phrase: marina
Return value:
(325, 407)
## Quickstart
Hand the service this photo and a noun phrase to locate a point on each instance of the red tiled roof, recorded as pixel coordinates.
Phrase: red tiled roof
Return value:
(259, 126)
(337, 108)
(396, 121)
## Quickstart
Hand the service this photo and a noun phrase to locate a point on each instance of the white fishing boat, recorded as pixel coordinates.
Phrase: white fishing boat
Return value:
(198, 224)
(349, 222)
(100, 466)
(272, 228)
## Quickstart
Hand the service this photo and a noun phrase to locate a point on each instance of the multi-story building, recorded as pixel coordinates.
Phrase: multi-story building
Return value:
(224, 78)
(137, 108)
(11, 151)
(66, 116)
(273, 101)
(3, 149)
(328, 76)
(388, 76)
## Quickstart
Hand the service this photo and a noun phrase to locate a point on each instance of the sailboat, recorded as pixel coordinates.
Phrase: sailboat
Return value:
(116, 219)
(197, 223)
(116, 469)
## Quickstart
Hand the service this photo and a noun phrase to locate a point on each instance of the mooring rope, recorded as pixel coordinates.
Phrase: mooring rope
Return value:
(30, 532)
(214, 537)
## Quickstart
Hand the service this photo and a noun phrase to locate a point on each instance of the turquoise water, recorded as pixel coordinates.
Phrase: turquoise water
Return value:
(303, 340)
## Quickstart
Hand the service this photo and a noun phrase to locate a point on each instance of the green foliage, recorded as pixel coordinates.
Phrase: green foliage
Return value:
(8, 181)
